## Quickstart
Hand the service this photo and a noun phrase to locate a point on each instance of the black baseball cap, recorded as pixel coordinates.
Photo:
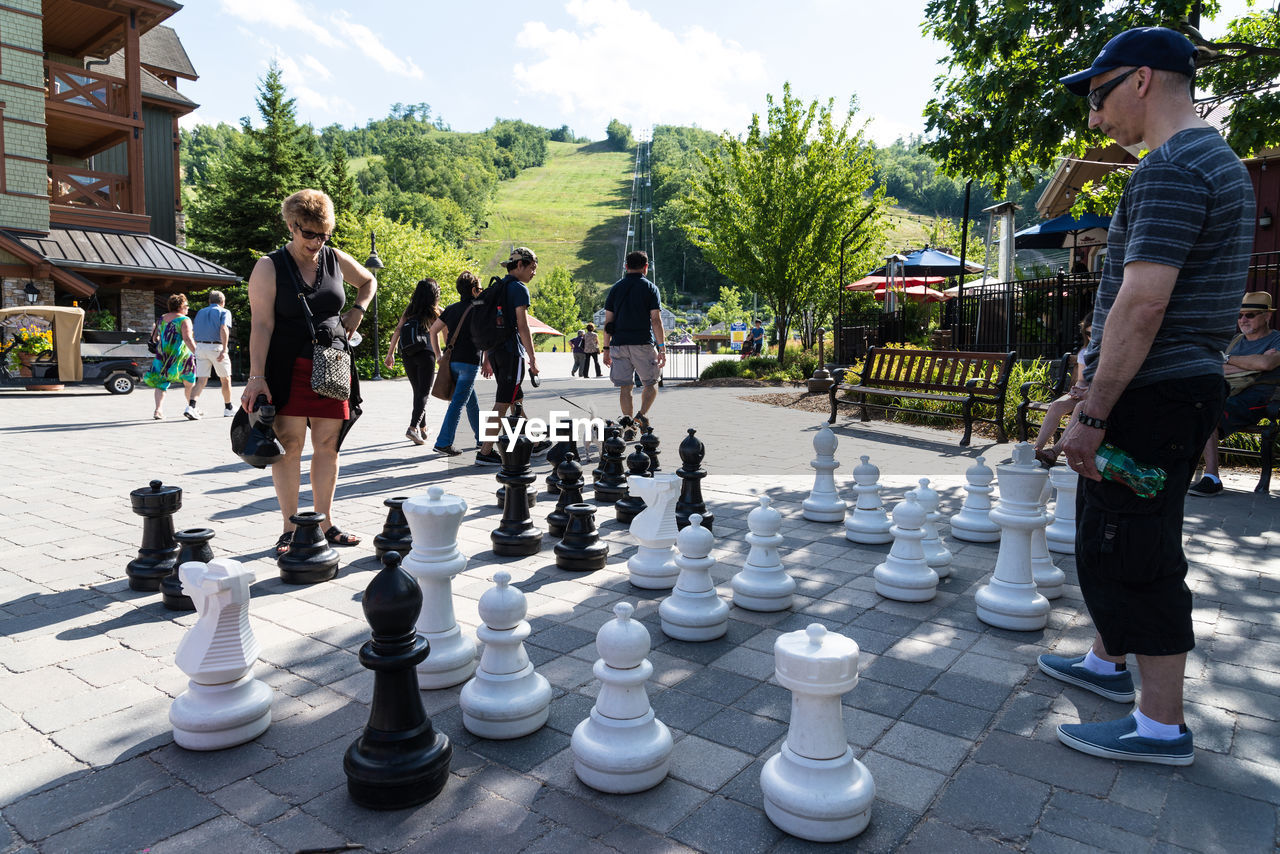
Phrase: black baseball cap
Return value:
(1155, 47)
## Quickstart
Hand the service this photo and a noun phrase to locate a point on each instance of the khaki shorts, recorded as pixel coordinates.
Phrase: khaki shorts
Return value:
(631, 360)
(206, 356)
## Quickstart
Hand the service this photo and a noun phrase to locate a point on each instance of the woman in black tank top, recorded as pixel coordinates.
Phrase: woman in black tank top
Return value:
(280, 349)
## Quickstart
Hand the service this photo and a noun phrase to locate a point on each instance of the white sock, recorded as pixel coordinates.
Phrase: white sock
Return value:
(1100, 666)
(1148, 728)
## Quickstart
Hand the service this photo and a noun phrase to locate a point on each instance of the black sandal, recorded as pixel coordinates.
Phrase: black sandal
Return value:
(283, 544)
(341, 538)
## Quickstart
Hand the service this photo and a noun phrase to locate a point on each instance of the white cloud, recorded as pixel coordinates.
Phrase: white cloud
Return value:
(619, 62)
(309, 99)
(317, 69)
(282, 14)
(371, 46)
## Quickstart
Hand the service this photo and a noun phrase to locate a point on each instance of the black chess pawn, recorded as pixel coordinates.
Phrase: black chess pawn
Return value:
(581, 549)
(400, 760)
(395, 536)
(611, 430)
(631, 505)
(158, 556)
(691, 473)
(612, 482)
(310, 558)
(193, 545)
(530, 498)
(516, 535)
(650, 444)
(570, 493)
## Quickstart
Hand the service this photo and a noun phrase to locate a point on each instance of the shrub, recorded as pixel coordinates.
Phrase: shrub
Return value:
(721, 369)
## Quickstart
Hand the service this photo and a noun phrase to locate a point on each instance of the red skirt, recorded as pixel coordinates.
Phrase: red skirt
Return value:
(306, 403)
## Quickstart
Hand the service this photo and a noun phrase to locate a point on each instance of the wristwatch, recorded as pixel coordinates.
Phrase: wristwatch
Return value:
(1090, 421)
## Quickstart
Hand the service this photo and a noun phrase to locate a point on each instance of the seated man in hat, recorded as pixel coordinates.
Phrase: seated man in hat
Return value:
(1252, 353)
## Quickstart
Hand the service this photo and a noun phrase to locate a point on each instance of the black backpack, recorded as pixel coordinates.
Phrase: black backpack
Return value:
(492, 322)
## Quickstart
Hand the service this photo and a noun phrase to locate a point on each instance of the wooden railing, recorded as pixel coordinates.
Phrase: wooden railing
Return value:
(107, 191)
(67, 84)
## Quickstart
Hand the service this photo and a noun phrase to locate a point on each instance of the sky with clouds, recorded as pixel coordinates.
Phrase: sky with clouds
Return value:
(574, 62)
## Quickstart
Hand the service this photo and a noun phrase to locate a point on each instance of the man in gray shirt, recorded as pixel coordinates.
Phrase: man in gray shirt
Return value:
(1177, 256)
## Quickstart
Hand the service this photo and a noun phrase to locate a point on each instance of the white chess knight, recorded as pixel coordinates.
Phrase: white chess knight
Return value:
(1049, 579)
(653, 566)
(622, 747)
(506, 698)
(1010, 600)
(824, 503)
(224, 704)
(868, 523)
(694, 611)
(434, 560)
(814, 788)
(937, 555)
(973, 523)
(762, 584)
(905, 574)
(1061, 533)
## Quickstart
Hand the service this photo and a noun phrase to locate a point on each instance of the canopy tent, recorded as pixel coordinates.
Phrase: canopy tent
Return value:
(1064, 232)
(871, 283)
(68, 325)
(537, 327)
(931, 262)
(915, 293)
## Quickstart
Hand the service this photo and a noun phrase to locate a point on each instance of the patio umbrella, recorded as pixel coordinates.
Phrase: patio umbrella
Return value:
(537, 327)
(915, 292)
(871, 283)
(1064, 232)
(931, 262)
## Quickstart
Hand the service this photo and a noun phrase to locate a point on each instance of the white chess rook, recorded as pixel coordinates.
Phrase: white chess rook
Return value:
(653, 566)
(622, 747)
(905, 574)
(693, 611)
(762, 584)
(937, 555)
(1010, 600)
(506, 698)
(973, 523)
(1061, 533)
(814, 788)
(433, 561)
(224, 704)
(824, 503)
(1049, 579)
(868, 523)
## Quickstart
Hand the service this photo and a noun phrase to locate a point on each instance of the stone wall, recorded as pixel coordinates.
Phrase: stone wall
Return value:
(137, 310)
(15, 292)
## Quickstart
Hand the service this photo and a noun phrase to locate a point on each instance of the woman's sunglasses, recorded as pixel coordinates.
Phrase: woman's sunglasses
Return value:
(307, 234)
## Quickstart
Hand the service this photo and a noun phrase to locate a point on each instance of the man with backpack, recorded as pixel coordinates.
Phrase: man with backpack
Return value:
(500, 327)
(634, 341)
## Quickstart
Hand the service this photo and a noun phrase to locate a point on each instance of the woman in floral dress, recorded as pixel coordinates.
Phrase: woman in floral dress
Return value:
(175, 360)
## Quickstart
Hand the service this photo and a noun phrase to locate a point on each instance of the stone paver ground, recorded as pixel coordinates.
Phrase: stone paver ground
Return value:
(952, 716)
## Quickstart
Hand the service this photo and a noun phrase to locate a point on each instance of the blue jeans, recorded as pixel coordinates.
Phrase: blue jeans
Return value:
(464, 391)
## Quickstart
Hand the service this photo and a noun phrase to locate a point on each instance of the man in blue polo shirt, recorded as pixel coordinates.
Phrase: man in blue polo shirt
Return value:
(634, 340)
(212, 330)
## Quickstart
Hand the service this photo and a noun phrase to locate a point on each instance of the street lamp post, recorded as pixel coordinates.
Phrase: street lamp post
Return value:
(373, 264)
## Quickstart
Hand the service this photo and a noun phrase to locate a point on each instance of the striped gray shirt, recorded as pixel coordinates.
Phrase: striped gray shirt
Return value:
(1189, 204)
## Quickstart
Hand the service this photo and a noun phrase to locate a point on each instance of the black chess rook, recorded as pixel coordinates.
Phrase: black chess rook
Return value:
(158, 556)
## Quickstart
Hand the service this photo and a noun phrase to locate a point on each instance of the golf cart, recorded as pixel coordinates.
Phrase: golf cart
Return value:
(118, 366)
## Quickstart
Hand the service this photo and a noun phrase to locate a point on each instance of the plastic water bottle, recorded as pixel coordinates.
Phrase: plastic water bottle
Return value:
(1115, 464)
(499, 321)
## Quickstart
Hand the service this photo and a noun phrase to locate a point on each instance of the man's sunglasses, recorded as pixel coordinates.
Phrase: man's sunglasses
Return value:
(307, 234)
(1097, 96)
(1249, 315)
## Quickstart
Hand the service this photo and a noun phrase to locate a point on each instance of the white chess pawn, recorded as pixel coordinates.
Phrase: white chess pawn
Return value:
(434, 560)
(693, 611)
(653, 566)
(938, 555)
(824, 503)
(1049, 579)
(224, 704)
(506, 698)
(1010, 600)
(905, 574)
(814, 788)
(868, 523)
(622, 747)
(1061, 533)
(762, 584)
(973, 523)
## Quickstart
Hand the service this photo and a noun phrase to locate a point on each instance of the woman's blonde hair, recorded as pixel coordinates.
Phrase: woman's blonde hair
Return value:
(308, 206)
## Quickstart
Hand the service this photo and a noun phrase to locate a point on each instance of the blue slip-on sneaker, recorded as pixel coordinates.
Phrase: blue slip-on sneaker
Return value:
(1119, 739)
(1117, 686)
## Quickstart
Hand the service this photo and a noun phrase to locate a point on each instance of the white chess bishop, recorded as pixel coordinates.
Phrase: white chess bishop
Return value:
(434, 560)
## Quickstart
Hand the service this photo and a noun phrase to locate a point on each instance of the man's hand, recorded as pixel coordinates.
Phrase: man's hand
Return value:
(662, 358)
(486, 369)
(533, 365)
(1079, 446)
(222, 354)
(608, 362)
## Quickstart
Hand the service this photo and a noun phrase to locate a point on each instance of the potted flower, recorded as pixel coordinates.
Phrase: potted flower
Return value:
(27, 343)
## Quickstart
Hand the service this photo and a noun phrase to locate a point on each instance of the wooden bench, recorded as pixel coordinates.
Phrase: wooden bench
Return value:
(1061, 374)
(944, 376)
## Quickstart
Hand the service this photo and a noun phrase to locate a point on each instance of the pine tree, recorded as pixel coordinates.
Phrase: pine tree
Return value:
(340, 186)
(236, 217)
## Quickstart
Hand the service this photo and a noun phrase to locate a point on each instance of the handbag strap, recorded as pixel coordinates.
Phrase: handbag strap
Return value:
(454, 337)
(296, 276)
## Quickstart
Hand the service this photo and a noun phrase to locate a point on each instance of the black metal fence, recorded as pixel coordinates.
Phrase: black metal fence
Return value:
(1033, 317)
(682, 362)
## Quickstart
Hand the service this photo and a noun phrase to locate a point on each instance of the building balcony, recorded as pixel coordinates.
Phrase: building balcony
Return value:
(86, 111)
(92, 199)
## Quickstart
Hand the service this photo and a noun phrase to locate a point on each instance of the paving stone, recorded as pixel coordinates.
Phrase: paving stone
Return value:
(947, 717)
(249, 802)
(302, 732)
(376, 830)
(306, 775)
(767, 700)
(523, 754)
(902, 783)
(561, 839)
(494, 824)
(298, 830)
(1210, 820)
(883, 835)
(725, 825)
(580, 814)
(706, 764)
(1044, 842)
(634, 840)
(923, 747)
(119, 735)
(888, 700)
(903, 674)
(1048, 762)
(718, 685)
(568, 710)
(83, 797)
(660, 808)
(746, 662)
(683, 711)
(222, 834)
(137, 824)
(741, 731)
(745, 787)
(968, 690)
(205, 771)
(932, 837)
(991, 802)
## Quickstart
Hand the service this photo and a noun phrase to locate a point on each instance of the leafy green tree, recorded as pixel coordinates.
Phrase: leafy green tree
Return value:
(235, 219)
(199, 146)
(555, 301)
(619, 136)
(525, 144)
(339, 184)
(774, 207)
(1000, 111)
(674, 164)
(728, 309)
(564, 133)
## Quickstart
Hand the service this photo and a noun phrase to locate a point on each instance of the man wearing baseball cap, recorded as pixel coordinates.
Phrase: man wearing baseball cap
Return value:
(1247, 361)
(509, 360)
(1177, 256)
